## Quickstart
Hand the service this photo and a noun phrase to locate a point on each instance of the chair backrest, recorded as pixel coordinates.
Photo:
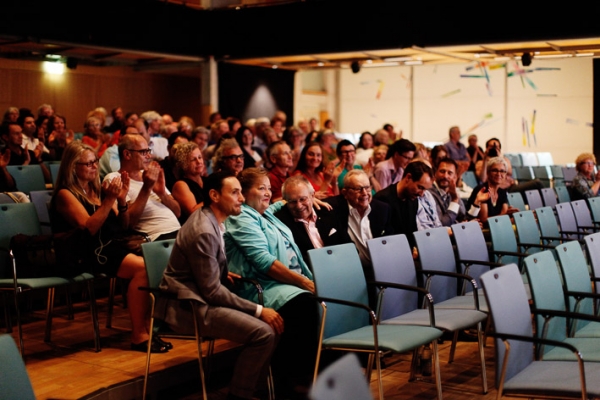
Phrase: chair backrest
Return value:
(15, 218)
(546, 293)
(566, 220)
(156, 256)
(338, 274)
(509, 307)
(592, 245)
(529, 159)
(594, 204)
(545, 158)
(41, 200)
(14, 381)
(341, 380)
(392, 262)
(436, 253)
(503, 238)
(549, 196)
(527, 230)
(568, 174)
(576, 277)
(53, 166)
(563, 194)
(544, 174)
(27, 177)
(515, 159)
(558, 178)
(583, 217)
(516, 200)
(534, 199)
(524, 173)
(548, 225)
(471, 245)
(469, 178)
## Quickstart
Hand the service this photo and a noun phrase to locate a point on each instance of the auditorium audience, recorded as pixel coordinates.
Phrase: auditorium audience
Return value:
(59, 135)
(168, 163)
(364, 148)
(252, 155)
(79, 201)
(279, 156)
(390, 171)
(228, 157)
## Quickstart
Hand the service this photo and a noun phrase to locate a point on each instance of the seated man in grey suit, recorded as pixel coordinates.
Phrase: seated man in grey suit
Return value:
(362, 218)
(198, 271)
(312, 229)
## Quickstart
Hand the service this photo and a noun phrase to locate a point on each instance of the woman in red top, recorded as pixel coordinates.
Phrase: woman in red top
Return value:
(310, 165)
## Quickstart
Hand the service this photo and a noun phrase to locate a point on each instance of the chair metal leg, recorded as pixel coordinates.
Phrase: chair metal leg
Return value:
(49, 312)
(379, 379)
(111, 301)
(209, 352)
(70, 313)
(413, 364)
(149, 352)
(201, 367)
(480, 342)
(271, 385)
(438, 375)
(19, 327)
(453, 347)
(94, 311)
(369, 369)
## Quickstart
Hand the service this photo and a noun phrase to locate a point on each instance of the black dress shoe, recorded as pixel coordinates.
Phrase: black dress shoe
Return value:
(155, 347)
(168, 345)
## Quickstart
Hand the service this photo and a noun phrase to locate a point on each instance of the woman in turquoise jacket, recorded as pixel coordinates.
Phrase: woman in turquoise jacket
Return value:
(261, 247)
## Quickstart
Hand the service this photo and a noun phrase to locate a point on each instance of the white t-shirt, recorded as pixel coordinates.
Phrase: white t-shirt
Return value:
(156, 219)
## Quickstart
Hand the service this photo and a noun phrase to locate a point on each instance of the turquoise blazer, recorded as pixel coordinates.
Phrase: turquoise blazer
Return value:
(253, 242)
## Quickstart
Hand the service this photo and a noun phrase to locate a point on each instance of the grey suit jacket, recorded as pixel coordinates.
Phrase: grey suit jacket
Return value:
(197, 271)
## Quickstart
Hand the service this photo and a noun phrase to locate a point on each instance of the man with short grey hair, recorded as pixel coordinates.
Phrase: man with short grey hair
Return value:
(312, 229)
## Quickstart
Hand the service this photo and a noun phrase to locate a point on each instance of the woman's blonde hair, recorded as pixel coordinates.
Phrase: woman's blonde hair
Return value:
(584, 157)
(182, 156)
(67, 176)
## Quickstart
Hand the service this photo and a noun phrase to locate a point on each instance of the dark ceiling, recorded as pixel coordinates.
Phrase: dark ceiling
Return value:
(150, 34)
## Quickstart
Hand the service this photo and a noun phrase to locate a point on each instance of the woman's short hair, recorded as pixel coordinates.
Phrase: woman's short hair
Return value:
(182, 156)
(249, 176)
(496, 160)
(583, 157)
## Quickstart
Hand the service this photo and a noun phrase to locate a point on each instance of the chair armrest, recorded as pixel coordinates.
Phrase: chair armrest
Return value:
(551, 238)
(538, 245)
(509, 253)
(491, 264)
(464, 277)
(384, 285)
(325, 300)
(549, 342)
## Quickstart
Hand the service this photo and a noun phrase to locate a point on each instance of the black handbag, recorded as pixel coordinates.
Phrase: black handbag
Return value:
(132, 241)
(42, 256)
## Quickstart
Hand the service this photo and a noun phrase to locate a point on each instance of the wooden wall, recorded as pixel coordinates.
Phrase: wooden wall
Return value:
(73, 94)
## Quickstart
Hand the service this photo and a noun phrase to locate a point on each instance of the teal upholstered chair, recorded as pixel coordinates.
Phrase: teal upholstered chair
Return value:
(22, 218)
(14, 381)
(348, 324)
(392, 262)
(27, 177)
(518, 372)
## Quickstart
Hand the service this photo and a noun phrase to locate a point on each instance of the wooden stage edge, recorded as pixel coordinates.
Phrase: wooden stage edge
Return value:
(69, 368)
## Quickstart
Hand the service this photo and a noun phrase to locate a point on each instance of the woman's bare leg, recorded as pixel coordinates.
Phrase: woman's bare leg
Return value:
(133, 268)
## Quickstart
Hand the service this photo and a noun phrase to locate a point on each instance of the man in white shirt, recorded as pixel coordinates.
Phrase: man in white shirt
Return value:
(152, 209)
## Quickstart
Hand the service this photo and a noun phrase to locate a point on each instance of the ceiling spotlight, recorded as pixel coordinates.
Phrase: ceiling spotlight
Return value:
(526, 59)
(355, 66)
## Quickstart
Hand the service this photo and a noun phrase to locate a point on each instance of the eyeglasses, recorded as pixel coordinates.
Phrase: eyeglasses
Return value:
(238, 157)
(284, 153)
(302, 200)
(89, 164)
(360, 189)
(405, 157)
(344, 152)
(143, 152)
(498, 171)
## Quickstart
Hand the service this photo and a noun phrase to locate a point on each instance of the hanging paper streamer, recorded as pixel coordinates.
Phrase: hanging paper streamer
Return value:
(533, 129)
(483, 68)
(523, 131)
(451, 93)
(379, 90)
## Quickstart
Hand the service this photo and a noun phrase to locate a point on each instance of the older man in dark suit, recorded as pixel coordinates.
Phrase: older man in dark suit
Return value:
(361, 218)
(198, 271)
(312, 229)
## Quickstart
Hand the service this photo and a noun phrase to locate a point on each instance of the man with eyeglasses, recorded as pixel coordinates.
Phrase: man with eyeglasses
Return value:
(152, 209)
(390, 171)
(361, 218)
(312, 229)
(279, 155)
(228, 157)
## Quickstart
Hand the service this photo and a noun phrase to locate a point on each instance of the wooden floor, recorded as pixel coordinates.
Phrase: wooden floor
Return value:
(70, 369)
